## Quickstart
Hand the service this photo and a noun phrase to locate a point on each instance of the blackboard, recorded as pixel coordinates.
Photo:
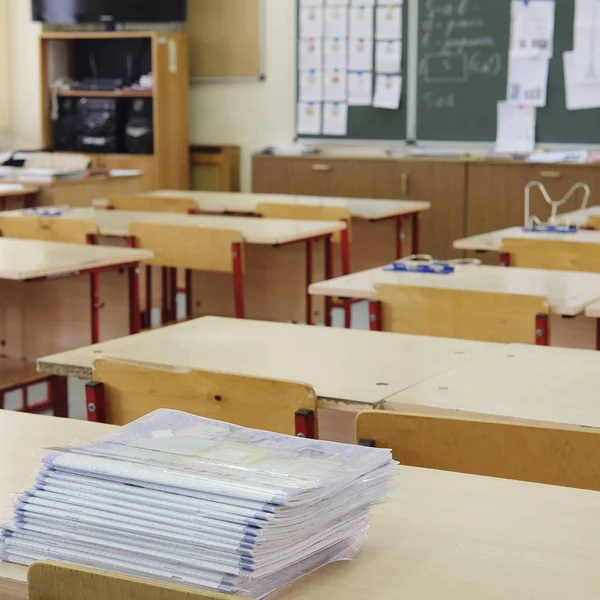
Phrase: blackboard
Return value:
(463, 70)
(367, 122)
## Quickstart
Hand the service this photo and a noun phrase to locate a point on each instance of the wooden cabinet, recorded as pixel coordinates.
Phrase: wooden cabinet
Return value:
(145, 163)
(443, 183)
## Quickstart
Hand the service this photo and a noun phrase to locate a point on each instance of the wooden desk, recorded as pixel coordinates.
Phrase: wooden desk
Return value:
(275, 282)
(47, 306)
(14, 194)
(440, 535)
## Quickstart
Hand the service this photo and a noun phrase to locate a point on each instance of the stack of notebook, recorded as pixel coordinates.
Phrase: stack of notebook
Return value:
(189, 500)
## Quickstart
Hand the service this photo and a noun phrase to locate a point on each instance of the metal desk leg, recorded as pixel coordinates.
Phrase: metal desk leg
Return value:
(400, 236)
(375, 315)
(135, 323)
(189, 306)
(238, 280)
(542, 330)
(95, 306)
(328, 275)
(309, 273)
(416, 234)
(57, 389)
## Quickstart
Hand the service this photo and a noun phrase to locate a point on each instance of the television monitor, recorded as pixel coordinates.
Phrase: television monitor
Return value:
(71, 12)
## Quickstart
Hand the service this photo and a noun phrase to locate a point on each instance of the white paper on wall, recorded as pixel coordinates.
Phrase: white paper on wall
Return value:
(388, 91)
(310, 53)
(336, 85)
(360, 54)
(311, 3)
(336, 21)
(335, 118)
(388, 22)
(309, 118)
(361, 21)
(527, 81)
(311, 85)
(336, 53)
(579, 96)
(516, 128)
(532, 28)
(311, 22)
(337, 2)
(388, 56)
(362, 3)
(360, 88)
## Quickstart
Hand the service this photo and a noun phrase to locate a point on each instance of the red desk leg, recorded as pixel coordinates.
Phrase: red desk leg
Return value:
(597, 334)
(147, 324)
(95, 306)
(416, 234)
(309, 273)
(57, 390)
(164, 318)
(189, 306)
(542, 331)
(94, 399)
(135, 320)
(505, 259)
(238, 280)
(328, 275)
(400, 236)
(173, 292)
(375, 316)
(345, 251)
(305, 423)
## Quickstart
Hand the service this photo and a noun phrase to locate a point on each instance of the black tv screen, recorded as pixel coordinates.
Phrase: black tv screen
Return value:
(71, 12)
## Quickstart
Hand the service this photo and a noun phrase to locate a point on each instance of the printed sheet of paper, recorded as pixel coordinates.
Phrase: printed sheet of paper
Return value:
(586, 42)
(335, 118)
(360, 88)
(388, 90)
(336, 21)
(360, 54)
(336, 53)
(311, 22)
(311, 85)
(362, 3)
(337, 2)
(389, 22)
(336, 85)
(311, 3)
(516, 128)
(309, 118)
(310, 54)
(527, 81)
(579, 96)
(388, 56)
(532, 28)
(361, 21)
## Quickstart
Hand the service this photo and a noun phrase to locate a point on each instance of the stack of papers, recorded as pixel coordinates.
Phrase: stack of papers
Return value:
(188, 500)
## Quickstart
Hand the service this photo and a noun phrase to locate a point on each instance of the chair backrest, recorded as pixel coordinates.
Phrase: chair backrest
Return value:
(555, 255)
(187, 247)
(152, 203)
(486, 445)
(54, 581)
(136, 389)
(306, 212)
(460, 314)
(48, 229)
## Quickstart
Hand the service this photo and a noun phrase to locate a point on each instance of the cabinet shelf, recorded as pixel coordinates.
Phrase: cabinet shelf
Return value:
(106, 94)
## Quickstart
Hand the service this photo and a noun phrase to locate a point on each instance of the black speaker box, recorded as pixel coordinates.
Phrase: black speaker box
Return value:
(65, 128)
(139, 129)
(100, 124)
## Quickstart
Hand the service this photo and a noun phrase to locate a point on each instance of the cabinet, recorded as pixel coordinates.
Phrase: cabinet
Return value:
(443, 183)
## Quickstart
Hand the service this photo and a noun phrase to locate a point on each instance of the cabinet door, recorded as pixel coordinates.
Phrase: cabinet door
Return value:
(496, 192)
(272, 174)
(143, 162)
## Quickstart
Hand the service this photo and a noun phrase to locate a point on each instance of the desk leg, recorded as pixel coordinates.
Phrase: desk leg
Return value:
(95, 306)
(305, 424)
(309, 273)
(400, 236)
(147, 317)
(57, 391)
(164, 316)
(173, 293)
(542, 330)
(375, 316)
(189, 304)
(134, 300)
(94, 400)
(328, 241)
(597, 334)
(416, 234)
(505, 259)
(238, 280)
(345, 251)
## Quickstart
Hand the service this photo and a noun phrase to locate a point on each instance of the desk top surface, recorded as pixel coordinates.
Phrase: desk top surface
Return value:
(441, 535)
(551, 385)
(254, 231)
(492, 241)
(579, 217)
(16, 189)
(352, 367)
(247, 203)
(29, 259)
(567, 292)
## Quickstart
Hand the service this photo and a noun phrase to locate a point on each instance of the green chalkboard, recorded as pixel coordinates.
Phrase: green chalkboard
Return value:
(463, 70)
(367, 122)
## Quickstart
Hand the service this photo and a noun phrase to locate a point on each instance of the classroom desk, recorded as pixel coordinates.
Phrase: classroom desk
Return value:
(590, 217)
(377, 225)
(440, 535)
(11, 193)
(275, 283)
(568, 292)
(47, 306)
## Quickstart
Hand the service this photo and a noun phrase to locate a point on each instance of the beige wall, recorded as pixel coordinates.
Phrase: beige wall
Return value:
(251, 114)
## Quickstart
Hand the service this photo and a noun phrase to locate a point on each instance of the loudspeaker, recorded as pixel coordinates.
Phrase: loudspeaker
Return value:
(139, 130)
(65, 128)
(100, 125)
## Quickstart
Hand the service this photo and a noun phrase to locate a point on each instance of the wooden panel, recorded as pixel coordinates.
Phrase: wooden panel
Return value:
(485, 445)
(53, 581)
(187, 247)
(145, 163)
(225, 38)
(215, 168)
(152, 203)
(555, 255)
(460, 314)
(272, 175)
(136, 389)
(48, 229)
